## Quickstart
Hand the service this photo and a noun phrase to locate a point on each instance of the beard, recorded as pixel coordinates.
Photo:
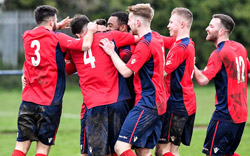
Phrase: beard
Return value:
(212, 37)
(54, 27)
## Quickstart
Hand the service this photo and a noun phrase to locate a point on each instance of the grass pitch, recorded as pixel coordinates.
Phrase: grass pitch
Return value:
(67, 139)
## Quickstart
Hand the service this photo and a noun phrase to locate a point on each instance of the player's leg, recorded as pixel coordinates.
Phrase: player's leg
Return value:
(83, 134)
(26, 129)
(48, 119)
(141, 128)
(163, 146)
(97, 131)
(21, 148)
(143, 151)
(117, 114)
(42, 149)
(222, 138)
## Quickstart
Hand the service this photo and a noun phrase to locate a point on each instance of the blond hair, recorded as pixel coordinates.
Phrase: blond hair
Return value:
(143, 9)
(185, 13)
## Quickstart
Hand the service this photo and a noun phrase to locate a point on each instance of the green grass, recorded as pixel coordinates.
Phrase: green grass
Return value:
(67, 139)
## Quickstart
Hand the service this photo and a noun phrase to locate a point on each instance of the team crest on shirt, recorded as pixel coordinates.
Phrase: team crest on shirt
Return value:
(90, 149)
(133, 61)
(168, 62)
(216, 149)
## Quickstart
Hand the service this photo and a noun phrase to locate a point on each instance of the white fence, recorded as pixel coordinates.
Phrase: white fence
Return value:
(12, 26)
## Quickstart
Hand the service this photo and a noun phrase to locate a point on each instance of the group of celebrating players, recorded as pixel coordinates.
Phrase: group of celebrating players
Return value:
(135, 97)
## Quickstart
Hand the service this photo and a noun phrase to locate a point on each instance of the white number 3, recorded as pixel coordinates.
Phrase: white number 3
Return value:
(240, 74)
(90, 59)
(37, 61)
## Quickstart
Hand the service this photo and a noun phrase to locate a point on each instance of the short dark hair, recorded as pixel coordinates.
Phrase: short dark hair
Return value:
(226, 21)
(122, 17)
(101, 21)
(78, 22)
(44, 12)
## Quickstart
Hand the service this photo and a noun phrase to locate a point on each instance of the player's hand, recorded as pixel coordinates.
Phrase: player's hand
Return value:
(107, 45)
(24, 82)
(92, 27)
(64, 24)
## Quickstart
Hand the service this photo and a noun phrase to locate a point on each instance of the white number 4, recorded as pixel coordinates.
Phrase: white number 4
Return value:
(90, 59)
(37, 61)
(240, 74)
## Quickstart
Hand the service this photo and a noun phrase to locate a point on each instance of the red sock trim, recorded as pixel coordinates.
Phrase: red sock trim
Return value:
(168, 154)
(128, 152)
(40, 154)
(17, 153)
(236, 154)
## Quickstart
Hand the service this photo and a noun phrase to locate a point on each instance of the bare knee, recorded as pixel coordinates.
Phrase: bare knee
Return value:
(143, 151)
(23, 146)
(42, 148)
(121, 147)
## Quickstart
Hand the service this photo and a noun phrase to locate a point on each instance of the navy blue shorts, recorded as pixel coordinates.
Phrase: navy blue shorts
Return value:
(103, 127)
(38, 122)
(177, 128)
(222, 138)
(142, 128)
(83, 135)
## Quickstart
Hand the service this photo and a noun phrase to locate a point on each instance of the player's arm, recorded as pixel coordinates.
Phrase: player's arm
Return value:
(199, 77)
(88, 38)
(70, 67)
(108, 47)
(63, 24)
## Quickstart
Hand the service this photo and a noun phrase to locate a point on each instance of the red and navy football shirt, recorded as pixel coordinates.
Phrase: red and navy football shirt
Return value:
(44, 66)
(228, 65)
(147, 62)
(179, 66)
(100, 82)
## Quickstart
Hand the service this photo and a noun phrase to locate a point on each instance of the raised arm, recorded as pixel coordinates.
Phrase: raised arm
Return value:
(199, 77)
(88, 38)
(108, 47)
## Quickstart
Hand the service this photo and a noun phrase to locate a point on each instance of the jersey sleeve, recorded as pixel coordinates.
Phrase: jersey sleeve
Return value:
(168, 41)
(70, 67)
(125, 52)
(141, 54)
(213, 65)
(122, 38)
(248, 66)
(69, 43)
(174, 59)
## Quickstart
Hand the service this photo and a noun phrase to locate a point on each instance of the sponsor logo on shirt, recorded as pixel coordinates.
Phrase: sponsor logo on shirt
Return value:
(133, 61)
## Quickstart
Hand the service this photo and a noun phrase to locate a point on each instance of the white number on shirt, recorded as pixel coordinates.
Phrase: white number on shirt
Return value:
(37, 61)
(240, 74)
(90, 59)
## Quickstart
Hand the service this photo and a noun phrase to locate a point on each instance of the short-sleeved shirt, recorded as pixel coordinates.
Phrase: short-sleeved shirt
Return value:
(100, 82)
(147, 62)
(44, 66)
(179, 67)
(228, 65)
